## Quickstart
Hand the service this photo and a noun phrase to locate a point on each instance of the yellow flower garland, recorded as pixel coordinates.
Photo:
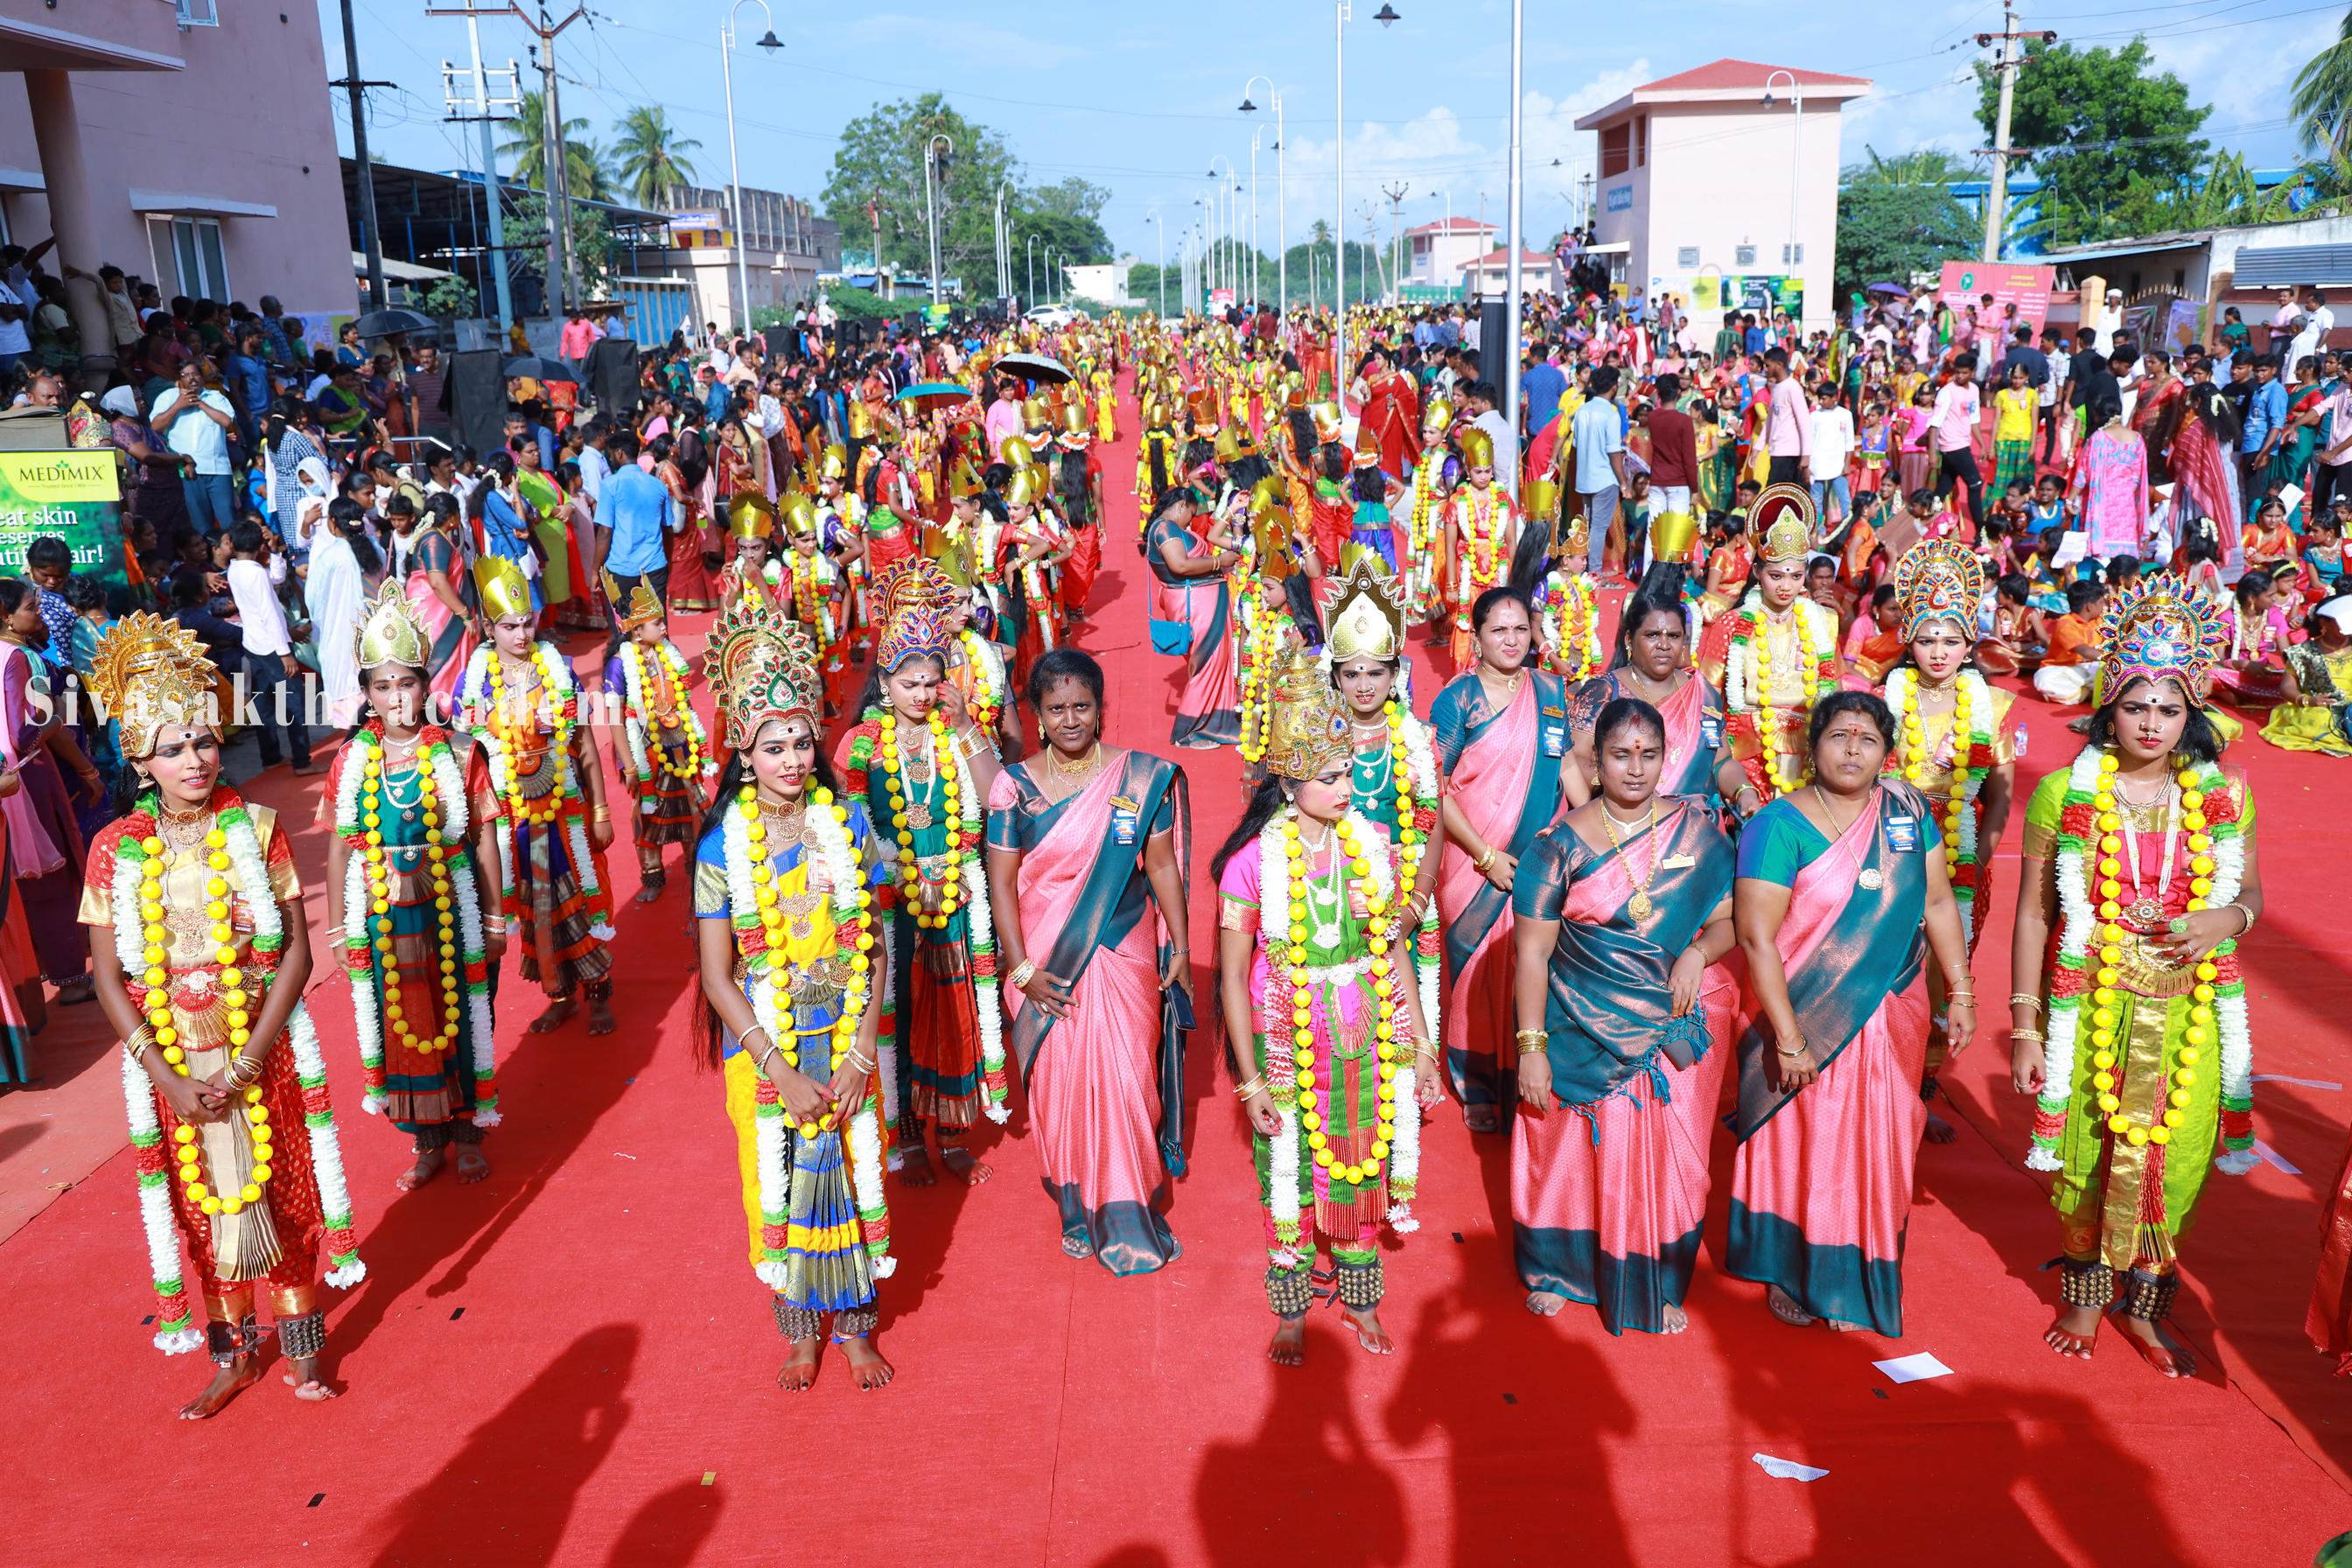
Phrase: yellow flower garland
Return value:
(910, 876)
(692, 767)
(1302, 1001)
(1916, 763)
(1768, 721)
(446, 967)
(773, 933)
(508, 732)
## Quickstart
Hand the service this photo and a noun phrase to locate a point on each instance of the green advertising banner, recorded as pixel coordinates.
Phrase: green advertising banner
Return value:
(76, 496)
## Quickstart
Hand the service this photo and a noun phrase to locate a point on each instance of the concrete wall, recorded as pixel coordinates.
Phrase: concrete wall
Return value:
(250, 120)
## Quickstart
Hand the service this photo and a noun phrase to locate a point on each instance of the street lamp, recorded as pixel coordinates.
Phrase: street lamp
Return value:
(1796, 155)
(1253, 228)
(1159, 227)
(1515, 304)
(770, 42)
(1342, 12)
(1004, 247)
(934, 159)
(1231, 279)
(1281, 193)
(1032, 253)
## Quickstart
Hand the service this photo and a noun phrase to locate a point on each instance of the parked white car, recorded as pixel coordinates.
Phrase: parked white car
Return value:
(1056, 315)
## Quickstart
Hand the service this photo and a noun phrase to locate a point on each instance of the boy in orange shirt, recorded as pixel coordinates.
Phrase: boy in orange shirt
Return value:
(2066, 669)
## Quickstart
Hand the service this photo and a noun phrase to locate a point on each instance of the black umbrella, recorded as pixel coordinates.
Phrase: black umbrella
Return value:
(538, 369)
(384, 323)
(1035, 367)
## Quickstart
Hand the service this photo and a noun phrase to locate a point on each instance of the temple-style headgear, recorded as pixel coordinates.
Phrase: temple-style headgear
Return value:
(1368, 446)
(1270, 532)
(963, 480)
(1327, 418)
(1204, 407)
(835, 463)
(750, 515)
(2162, 628)
(1036, 413)
(1076, 427)
(1016, 453)
(390, 632)
(797, 513)
(1027, 486)
(1572, 539)
(911, 625)
(1939, 579)
(504, 589)
(1478, 448)
(1436, 417)
(1233, 444)
(1539, 499)
(1781, 522)
(149, 672)
(1308, 731)
(762, 665)
(861, 423)
(1368, 618)
(641, 604)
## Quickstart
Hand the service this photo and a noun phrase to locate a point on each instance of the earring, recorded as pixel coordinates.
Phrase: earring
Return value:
(1041, 732)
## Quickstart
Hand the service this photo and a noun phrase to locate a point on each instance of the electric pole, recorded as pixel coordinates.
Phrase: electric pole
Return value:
(1396, 194)
(371, 237)
(2006, 62)
(481, 108)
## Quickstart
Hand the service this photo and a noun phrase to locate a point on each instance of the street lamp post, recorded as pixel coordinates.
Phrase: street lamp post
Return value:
(1253, 228)
(1281, 193)
(770, 42)
(1342, 12)
(1004, 249)
(1514, 305)
(933, 159)
(1796, 157)
(1159, 227)
(1031, 252)
(1232, 271)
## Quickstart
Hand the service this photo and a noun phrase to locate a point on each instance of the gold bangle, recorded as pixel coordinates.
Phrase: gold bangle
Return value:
(2034, 1035)
(602, 813)
(2025, 999)
(1021, 974)
(2241, 909)
(1480, 864)
(1804, 1047)
(1243, 1090)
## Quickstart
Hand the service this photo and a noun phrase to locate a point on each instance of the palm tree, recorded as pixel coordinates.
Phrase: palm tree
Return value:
(583, 161)
(2323, 94)
(651, 157)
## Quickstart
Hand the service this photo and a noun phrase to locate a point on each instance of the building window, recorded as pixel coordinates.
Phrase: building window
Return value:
(1641, 140)
(1743, 255)
(1616, 150)
(196, 12)
(1795, 259)
(1687, 257)
(197, 252)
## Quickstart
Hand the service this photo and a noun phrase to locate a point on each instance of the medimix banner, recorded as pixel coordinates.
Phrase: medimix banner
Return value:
(76, 496)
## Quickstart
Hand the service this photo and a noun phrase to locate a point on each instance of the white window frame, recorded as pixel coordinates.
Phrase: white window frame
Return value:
(195, 14)
(201, 285)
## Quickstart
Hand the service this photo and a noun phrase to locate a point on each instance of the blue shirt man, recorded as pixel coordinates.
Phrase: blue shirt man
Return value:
(1540, 389)
(638, 511)
(2266, 410)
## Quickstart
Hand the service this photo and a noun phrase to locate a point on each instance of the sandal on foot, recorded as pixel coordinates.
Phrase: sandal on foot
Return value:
(1784, 1306)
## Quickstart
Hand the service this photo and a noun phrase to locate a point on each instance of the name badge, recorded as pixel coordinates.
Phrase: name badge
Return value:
(1554, 740)
(1902, 835)
(1122, 820)
(1710, 732)
(1677, 862)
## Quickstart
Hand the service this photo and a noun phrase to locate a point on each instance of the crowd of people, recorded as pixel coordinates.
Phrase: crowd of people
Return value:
(1704, 808)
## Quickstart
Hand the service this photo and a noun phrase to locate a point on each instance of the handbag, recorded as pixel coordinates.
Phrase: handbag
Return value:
(1174, 636)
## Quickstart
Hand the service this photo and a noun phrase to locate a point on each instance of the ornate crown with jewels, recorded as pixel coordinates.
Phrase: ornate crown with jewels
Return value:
(1939, 579)
(1781, 522)
(762, 665)
(2163, 629)
(390, 632)
(1307, 732)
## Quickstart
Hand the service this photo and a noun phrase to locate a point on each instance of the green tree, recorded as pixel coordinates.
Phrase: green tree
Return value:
(592, 240)
(650, 155)
(2323, 95)
(584, 160)
(877, 177)
(1898, 216)
(2115, 143)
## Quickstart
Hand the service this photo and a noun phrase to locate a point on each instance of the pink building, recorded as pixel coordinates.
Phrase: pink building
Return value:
(1721, 189)
(189, 142)
(1441, 250)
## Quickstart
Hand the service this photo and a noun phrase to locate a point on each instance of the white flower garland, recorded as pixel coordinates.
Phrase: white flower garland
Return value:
(467, 894)
(1968, 783)
(367, 1016)
(2076, 927)
(178, 1336)
(633, 730)
(2230, 1006)
(981, 929)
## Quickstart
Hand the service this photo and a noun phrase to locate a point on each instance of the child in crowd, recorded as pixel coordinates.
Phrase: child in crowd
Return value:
(2069, 664)
(2018, 637)
(2049, 509)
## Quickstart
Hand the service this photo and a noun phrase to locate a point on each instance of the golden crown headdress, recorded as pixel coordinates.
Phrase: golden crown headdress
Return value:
(1027, 486)
(1478, 448)
(149, 672)
(2162, 628)
(504, 589)
(834, 462)
(640, 605)
(390, 632)
(750, 515)
(1939, 579)
(911, 624)
(761, 666)
(1368, 617)
(1436, 415)
(1307, 730)
(1781, 522)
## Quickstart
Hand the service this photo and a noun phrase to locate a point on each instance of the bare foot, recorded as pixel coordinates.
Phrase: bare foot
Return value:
(81, 988)
(1078, 1247)
(1290, 1346)
(427, 1166)
(1676, 1319)
(1479, 1118)
(914, 1169)
(1784, 1306)
(600, 1017)
(963, 1162)
(650, 893)
(1368, 1333)
(866, 1363)
(227, 1382)
(1839, 1326)
(1545, 1304)
(1940, 1130)
(2073, 1334)
(302, 1377)
(2159, 1349)
(471, 1166)
(800, 1368)
(558, 1013)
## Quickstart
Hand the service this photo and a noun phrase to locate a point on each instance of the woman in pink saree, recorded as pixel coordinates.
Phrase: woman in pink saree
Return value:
(1190, 600)
(1841, 892)
(1087, 849)
(1501, 732)
(440, 582)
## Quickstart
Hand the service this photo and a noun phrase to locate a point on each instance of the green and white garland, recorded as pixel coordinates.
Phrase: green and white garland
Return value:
(560, 688)
(632, 727)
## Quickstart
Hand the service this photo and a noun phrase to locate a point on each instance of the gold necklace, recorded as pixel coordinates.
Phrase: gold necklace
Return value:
(1639, 904)
(1079, 769)
(1822, 795)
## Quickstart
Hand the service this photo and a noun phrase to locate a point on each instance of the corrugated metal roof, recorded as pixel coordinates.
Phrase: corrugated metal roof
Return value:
(2290, 266)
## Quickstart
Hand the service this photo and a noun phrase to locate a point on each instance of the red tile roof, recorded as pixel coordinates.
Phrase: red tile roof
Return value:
(1503, 258)
(1730, 73)
(1460, 225)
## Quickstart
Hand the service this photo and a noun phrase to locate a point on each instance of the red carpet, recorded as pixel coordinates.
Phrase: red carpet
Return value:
(573, 1362)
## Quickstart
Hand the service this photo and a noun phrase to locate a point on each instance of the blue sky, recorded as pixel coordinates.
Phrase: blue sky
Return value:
(1143, 104)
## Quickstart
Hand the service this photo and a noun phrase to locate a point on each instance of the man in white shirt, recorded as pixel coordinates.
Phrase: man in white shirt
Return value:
(16, 328)
(1598, 431)
(2311, 332)
(194, 421)
(595, 466)
(1832, 443)
(271, 669)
